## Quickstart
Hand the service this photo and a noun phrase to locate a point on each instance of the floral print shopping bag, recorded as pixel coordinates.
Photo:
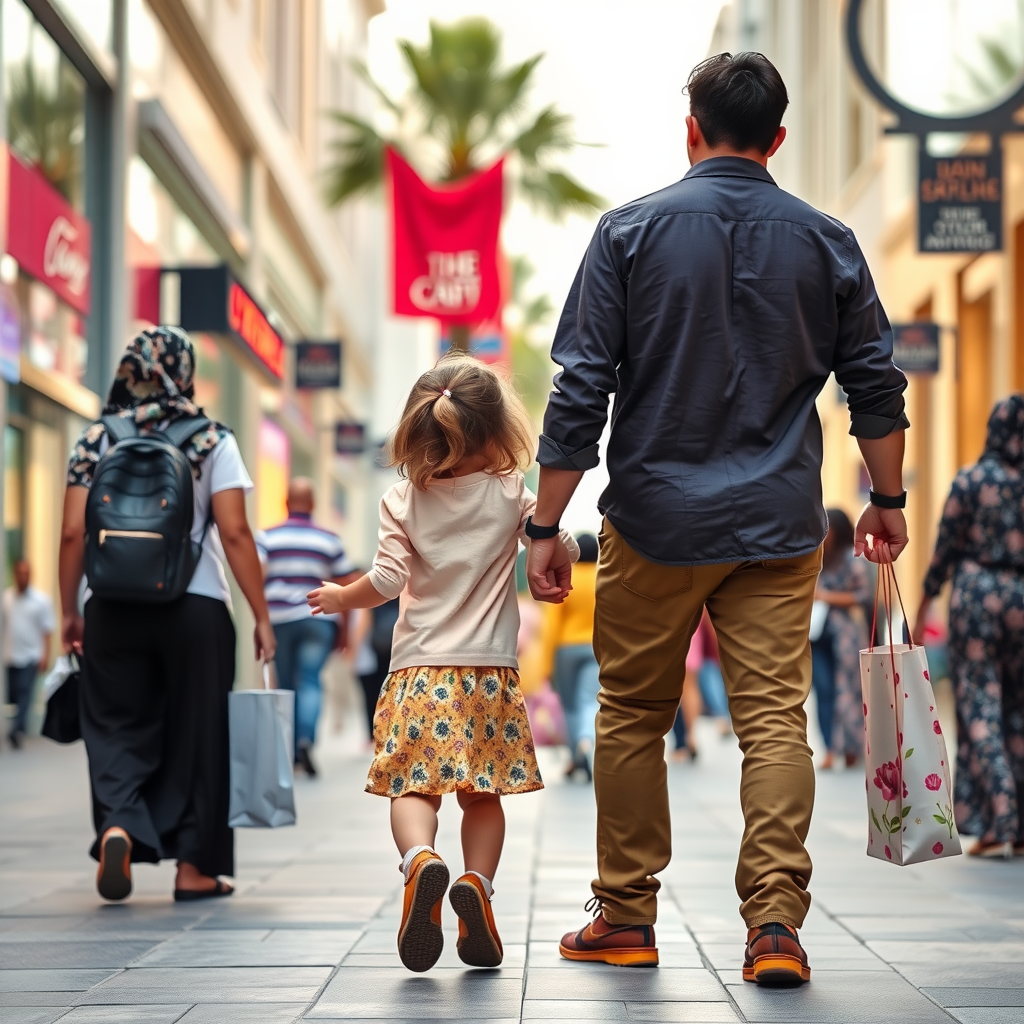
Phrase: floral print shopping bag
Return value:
(910, 802)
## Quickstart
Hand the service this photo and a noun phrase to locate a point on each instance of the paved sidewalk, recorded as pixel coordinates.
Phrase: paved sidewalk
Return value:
(311, 932)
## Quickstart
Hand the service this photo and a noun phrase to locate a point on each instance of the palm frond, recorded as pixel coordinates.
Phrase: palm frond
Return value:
(556, 193)
(358, 165)
(364, 73)
(550, 132)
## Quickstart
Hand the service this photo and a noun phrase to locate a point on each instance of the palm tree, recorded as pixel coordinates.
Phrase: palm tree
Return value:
(532, 368)
(463, 111)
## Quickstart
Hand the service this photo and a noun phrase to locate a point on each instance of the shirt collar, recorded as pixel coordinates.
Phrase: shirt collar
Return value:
(302, 517)
(729, 167)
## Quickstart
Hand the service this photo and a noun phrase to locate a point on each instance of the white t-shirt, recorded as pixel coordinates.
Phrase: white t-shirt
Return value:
(28, 618)
(223, 470)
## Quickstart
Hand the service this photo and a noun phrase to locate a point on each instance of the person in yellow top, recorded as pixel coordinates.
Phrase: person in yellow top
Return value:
(567, 642)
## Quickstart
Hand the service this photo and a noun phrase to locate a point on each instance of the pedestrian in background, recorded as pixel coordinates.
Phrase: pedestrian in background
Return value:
(567, 640)
(372, 632)
(835, 656)
(715, 310)
(156, 677)
(451, 716)
(980, 547)
(28, 627)
(297, 556)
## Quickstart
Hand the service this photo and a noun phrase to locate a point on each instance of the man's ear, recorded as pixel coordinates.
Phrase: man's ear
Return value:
(694, 136)
(780, 138)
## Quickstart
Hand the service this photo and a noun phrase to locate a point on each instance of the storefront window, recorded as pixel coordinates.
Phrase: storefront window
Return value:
(45, 103)
(95, 19)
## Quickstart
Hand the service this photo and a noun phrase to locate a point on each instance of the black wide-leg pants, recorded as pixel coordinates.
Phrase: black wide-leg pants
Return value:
(156, 679)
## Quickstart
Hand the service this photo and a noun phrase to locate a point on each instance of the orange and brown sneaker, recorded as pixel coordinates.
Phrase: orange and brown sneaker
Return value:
(774, 957)
(420, 939)
(478, 945)
(114, 875)
(630, 945)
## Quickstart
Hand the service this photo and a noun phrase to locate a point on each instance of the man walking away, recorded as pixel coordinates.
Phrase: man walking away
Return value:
(28, 626)
(298, 557)
(715, 310)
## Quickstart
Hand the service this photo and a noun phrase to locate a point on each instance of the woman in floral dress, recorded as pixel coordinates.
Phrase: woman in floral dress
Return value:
(980, 547)
(844, 586)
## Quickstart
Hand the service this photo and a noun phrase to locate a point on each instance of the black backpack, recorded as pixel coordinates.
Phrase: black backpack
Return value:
(139, 514)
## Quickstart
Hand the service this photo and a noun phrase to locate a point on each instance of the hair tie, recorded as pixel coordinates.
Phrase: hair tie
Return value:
(446, 393)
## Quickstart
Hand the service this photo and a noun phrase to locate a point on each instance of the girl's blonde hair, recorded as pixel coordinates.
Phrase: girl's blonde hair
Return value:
(459, 408)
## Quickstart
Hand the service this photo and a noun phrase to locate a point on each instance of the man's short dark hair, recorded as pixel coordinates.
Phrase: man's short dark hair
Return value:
(738, 101)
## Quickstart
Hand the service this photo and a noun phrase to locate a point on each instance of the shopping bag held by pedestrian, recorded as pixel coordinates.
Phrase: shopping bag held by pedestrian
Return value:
(61, 690)
(910, 800)
(261, 724)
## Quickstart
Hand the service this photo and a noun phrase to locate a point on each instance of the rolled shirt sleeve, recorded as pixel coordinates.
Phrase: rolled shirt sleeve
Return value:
(391, 566)
(588, 345)
(863, 357)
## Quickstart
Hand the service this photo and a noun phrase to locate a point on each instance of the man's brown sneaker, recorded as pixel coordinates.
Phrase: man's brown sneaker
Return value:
(774, 957)
(479, 944)
(114, 875)
(630, 945)
(420, 939)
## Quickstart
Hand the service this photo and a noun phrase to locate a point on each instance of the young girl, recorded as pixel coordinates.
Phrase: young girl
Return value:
(451, 717)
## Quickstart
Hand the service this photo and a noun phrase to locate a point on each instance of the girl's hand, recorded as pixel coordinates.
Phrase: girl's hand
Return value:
(327, 599)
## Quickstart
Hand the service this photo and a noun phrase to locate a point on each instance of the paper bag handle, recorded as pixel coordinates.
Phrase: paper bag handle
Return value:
(886, 582)
(266, 675)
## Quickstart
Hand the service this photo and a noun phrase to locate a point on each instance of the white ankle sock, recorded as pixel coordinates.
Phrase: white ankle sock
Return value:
(488, 888)
(410, 856)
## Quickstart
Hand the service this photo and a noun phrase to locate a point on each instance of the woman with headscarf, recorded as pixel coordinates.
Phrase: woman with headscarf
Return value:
(156, 677)
(981, 547)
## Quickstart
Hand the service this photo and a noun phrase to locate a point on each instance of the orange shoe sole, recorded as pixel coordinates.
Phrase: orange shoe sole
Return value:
(776, 970)
(480, 946)
(420, 940)
(114, 876)
(623, 956)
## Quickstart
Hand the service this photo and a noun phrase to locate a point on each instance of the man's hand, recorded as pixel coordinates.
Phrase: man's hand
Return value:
(887, 528)
(71, 632)
(549, 570)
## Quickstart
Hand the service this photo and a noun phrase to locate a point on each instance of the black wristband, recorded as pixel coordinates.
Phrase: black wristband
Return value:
(540, 532)
(887, 501)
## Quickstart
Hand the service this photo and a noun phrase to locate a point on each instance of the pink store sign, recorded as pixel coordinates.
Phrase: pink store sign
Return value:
(50, 240)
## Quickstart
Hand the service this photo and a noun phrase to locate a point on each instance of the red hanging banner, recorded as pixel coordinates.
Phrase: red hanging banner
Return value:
(445, 244)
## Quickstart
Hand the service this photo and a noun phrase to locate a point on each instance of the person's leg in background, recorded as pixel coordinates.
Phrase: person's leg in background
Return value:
(712, 692)
(565, 683)
(313, 648)
(588, 686)
(761, 613)
(21, 684)
(288, 635)
(371, 683)
(823, 679)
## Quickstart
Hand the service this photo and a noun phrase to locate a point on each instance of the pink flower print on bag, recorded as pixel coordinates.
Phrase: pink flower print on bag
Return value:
(933, 782)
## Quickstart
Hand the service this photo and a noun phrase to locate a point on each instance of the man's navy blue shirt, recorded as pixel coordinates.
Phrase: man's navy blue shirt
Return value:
(715, 311)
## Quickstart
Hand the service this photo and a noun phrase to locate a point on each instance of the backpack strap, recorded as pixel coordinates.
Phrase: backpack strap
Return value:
(119, 428)
(179, 431)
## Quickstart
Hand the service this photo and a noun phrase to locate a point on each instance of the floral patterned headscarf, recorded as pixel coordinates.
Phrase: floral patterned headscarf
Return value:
(153, 383)
(1006, 431)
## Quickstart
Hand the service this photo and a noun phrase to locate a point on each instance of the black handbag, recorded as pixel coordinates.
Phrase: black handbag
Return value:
(63, 722)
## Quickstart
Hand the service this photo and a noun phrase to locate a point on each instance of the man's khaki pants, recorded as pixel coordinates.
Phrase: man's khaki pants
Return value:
(646, 615)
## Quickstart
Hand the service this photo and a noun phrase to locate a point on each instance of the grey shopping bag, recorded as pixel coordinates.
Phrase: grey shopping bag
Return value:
(261, 726)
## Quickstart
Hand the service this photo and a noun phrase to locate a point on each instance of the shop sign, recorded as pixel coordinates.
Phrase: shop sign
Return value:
(51, 241)
(212, 300)
(960, 205)
(350, 438)
(915, 347)
(317, 365)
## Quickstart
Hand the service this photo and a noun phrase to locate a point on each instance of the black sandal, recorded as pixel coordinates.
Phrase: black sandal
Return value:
(186, 895)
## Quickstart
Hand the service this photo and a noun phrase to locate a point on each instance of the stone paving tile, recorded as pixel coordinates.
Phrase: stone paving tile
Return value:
(82, 954)
(951, 974)
(257, 948)
(682, 1013)
(243, 1013)
(978, 996)
(53, 980)
(560, 1009)
(596, 981)
(840, 997)
(988, 1015)
(113, 1014)
(29, 1015)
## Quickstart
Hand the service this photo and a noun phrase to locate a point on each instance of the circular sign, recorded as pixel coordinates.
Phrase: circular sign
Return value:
(984, 86)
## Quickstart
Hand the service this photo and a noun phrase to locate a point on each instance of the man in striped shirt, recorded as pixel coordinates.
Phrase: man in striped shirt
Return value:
(297, 556)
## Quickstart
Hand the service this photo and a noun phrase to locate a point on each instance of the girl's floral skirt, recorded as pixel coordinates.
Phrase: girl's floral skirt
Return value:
(438, 730)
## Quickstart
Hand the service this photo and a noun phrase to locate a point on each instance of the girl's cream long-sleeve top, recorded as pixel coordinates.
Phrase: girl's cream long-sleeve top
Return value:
(449, 553)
